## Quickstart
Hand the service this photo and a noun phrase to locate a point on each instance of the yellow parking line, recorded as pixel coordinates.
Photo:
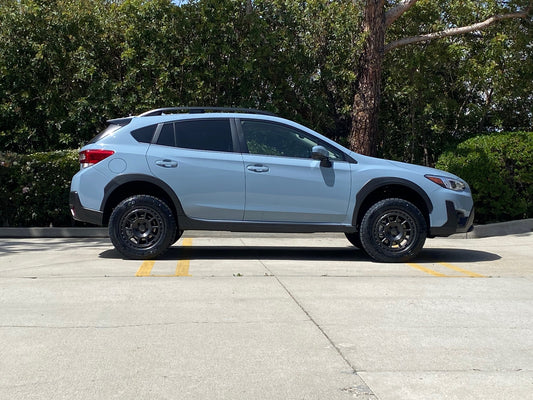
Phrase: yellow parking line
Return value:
(463, 271)
(182, 269)
(426, 270)
(145, 268)
(449, 266)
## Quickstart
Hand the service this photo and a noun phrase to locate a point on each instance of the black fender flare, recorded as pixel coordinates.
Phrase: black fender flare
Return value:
(374, 184)
(124, 179)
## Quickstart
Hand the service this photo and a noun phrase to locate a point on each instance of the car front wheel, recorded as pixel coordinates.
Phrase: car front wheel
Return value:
(142, 227)
(393, 230)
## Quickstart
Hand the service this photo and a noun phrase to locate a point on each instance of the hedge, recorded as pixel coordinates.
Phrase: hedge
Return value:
(35, 188)
(499, 169)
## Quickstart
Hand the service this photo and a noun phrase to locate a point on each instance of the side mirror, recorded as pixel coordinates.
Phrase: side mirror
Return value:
(320, 153)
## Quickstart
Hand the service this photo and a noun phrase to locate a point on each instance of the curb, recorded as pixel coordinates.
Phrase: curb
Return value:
(480, 231)
(501, 229)
(53, 232)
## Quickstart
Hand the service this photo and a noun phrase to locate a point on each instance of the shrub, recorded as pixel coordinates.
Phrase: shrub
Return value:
(499, 169)
(35, 188)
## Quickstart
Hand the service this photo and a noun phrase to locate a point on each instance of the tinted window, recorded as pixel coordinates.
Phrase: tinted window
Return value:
(280, 140)
(144, 135)
(166, 136)
(213, 135)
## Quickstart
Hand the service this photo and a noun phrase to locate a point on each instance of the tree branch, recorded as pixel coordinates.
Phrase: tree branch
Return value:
(455, 31)
(396, 12)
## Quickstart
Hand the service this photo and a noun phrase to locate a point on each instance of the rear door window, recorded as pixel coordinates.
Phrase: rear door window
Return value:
(208, 134)
(167, 136)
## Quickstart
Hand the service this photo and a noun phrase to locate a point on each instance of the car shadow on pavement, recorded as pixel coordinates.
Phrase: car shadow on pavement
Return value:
(455, 255)
(305, 254)
(266, 253)
(254, 253)
(10, 246)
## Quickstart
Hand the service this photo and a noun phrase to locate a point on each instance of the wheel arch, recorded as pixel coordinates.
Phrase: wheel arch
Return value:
(124, 186)
(383, 188)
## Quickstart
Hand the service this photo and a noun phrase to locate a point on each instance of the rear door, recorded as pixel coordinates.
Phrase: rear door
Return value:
(197, 159)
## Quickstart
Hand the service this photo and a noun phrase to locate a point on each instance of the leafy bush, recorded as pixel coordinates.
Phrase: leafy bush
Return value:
(499, 169)
(66, 66)
(35, 188)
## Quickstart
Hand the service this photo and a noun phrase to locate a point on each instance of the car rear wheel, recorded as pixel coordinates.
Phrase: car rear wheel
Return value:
(393, 230)
(142, 227)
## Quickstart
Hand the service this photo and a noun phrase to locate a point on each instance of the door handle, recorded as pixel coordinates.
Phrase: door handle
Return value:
(258, 168)
(166, 163)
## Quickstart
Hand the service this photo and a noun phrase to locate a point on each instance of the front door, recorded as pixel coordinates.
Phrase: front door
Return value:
(283, 182)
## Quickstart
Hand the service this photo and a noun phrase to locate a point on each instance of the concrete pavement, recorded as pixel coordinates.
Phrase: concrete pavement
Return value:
(287, 317)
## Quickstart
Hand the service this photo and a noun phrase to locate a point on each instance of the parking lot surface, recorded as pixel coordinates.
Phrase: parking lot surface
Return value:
(232, 316)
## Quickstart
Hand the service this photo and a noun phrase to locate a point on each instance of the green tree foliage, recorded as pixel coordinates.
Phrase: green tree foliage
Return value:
(56, 65)
(499, 169)
(35, 188)
(440, 93)
(67, 66)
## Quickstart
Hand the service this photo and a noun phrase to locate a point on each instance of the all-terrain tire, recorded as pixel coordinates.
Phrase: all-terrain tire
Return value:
(142, 227)
(393, 230)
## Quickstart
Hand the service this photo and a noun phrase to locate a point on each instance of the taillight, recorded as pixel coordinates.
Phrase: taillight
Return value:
(94, 156)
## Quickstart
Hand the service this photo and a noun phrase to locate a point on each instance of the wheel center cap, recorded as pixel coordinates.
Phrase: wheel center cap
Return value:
(394, 231)
(142, 226)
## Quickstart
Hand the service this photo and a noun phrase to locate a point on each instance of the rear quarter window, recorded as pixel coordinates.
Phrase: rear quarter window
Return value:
(145, 134)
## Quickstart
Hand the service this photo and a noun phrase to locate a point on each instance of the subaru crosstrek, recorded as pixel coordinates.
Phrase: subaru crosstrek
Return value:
(152, 176)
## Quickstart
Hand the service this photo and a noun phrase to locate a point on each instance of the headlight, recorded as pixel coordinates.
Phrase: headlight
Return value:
(448, 183)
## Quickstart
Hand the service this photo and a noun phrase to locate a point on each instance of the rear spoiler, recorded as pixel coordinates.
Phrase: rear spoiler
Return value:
(119, 121)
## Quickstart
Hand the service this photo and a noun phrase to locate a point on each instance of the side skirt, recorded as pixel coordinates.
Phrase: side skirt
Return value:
(186, 223)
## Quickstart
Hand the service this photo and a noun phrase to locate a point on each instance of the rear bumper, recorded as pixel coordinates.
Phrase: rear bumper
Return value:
(457, 222)
(80, 213)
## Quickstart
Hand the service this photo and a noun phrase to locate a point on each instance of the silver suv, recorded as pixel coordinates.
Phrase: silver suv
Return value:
(152, 176)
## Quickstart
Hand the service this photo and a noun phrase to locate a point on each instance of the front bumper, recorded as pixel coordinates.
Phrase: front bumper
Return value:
(80, 213)
(457, 222)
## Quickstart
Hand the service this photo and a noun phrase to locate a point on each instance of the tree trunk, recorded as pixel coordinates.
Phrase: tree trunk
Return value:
(364, 130)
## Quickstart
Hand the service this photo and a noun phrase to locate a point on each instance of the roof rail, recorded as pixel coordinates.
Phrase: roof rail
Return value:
(201, 110)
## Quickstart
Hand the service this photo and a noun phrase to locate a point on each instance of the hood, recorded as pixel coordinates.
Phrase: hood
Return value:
(401, 166)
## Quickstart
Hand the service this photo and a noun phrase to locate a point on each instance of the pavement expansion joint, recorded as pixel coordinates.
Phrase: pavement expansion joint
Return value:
(361, 389)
